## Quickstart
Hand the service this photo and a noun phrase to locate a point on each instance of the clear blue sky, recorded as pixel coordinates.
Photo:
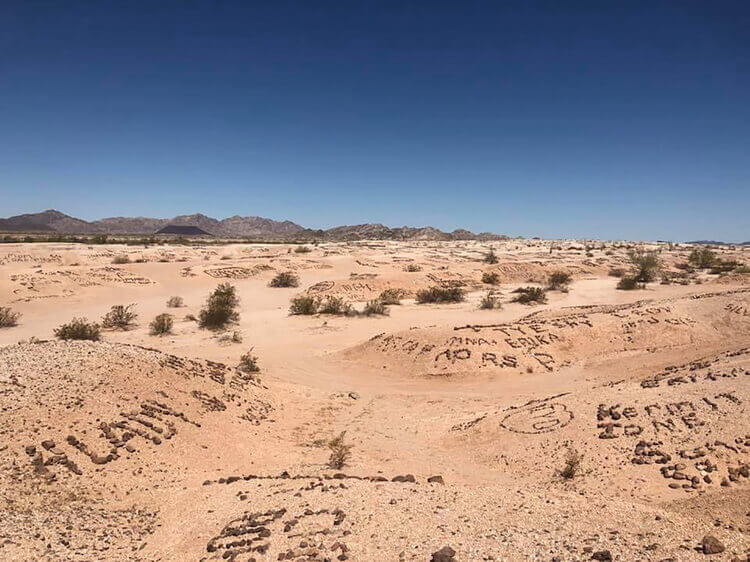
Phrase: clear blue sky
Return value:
(585, 119)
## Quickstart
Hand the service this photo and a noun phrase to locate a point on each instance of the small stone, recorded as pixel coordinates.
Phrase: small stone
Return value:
(711, 545)
(436, 480)
(602, 555)
(445, 554)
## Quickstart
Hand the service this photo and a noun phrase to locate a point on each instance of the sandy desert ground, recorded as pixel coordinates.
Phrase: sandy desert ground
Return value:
(157, 448)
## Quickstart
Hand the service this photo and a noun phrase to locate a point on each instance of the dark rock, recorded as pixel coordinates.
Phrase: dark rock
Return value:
(711, 545)
(602, 555)
(436, 479)
(445, 554)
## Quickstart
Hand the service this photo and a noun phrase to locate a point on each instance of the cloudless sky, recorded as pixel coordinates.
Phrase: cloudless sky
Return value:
(599, 119)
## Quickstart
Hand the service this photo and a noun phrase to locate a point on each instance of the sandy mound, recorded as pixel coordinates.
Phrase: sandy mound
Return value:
(550, 340)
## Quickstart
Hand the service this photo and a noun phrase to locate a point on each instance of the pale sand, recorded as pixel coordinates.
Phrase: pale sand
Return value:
(492, 401)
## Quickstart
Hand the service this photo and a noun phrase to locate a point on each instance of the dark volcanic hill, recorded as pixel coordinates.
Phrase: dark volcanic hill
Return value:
(182, 230)
(55, 222)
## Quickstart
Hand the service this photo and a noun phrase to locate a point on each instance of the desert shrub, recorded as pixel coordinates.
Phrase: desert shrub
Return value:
(340, 452)
(302, 250)
(334, 305)
(175, 302)
(412, 268)
(721, 266)
(628, 283)
(220, 308)
(572, 464)
(529, 295)
(191, 318)
(304, 304)
(559, 281)
(284, 279)
(744, 269)
(391, 296)
(121, 259)
(249, 362)
(489, 302)
(375, 307)
(161, 325)
(702, 258)
(8, 317)
(119, 317)
(491, 278)
(440, 294)
(645, 265)
(490, 256)
(617, 272)
(78, 329)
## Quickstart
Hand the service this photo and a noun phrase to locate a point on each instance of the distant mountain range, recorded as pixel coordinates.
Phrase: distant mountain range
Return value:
(55, 222)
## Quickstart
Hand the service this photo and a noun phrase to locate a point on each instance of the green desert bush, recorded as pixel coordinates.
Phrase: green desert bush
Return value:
(391, 296)
(78, 329)
(284, 279)
(530, 295)
(628, 283)
(440, 294)
(161, 325)
(645, 265)
(120, 317)
(375, 307)
(220, 308)
(572, 465)
(490, 256)
(702, 258)
(491, 278)
(8, 317)
(559, 281)
(304, 304)
(175, 302)
(489, 302)
(249, 362)
(340, 452)
(334, 305)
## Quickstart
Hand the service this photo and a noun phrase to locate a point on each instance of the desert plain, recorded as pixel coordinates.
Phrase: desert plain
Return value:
(601, 424)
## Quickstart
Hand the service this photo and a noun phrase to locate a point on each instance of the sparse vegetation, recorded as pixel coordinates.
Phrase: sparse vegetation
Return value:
(559, 281)
(190, 318)
(440, 294)
(234, 337)
(617, 272)
(284, 279)
(645, 265)
(78, 329)
(572, 464)
(490, 278)
(175, 302)
(375, 307)
(8, 317)
(220, 308)
(161, 325)
(334, 305)
(391, 296)
(489, 302)
(120, 317)
(302, 250)
(304, 304)
(249, 362)
(628, 283)
(702, 258)
(530, 295)
(412, 268)
(121, 259)
(340, 452)
(490, 256)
